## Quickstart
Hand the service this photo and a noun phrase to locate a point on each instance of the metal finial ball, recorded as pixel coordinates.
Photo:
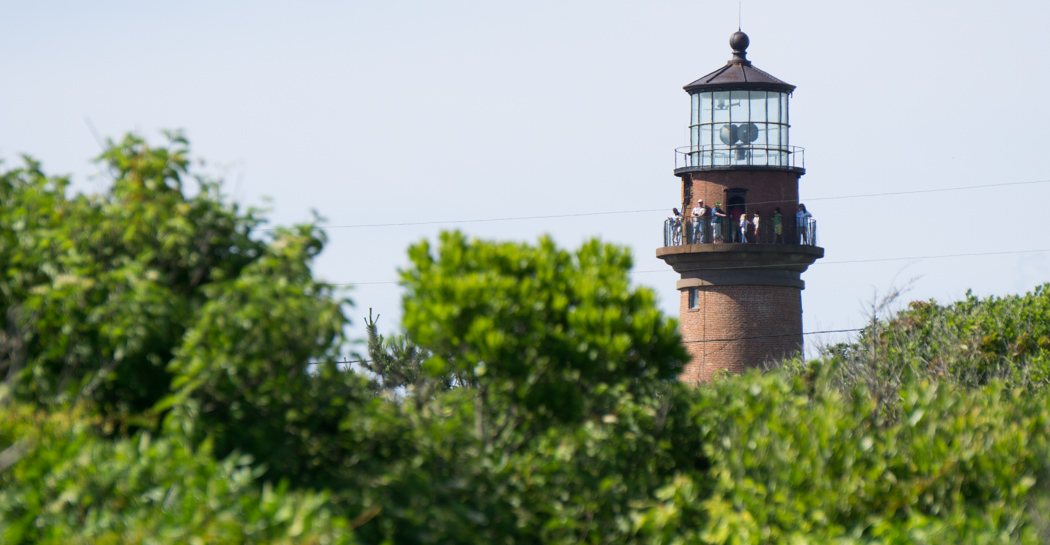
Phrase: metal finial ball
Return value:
(739, 41)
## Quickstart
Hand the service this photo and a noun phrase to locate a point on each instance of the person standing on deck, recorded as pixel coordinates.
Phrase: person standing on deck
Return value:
(802, 219)
(778, 226)
(700, 218)
(717, 217)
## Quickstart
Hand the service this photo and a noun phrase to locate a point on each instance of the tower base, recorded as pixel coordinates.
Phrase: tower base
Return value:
(740, 304)
(731, 329)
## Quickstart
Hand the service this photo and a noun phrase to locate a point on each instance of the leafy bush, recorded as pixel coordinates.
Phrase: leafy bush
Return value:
(168, 364)
(796, 461)
(99, 291)
(546, 330)
(62, 483)
(970, 343)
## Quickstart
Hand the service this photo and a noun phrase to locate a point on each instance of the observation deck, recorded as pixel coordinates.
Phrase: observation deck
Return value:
(691, 231)
(709, 253)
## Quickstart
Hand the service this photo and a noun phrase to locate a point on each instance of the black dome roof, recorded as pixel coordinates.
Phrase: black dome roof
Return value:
(739, 73)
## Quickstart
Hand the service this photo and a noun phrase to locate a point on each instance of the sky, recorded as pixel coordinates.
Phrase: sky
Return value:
(442, 112)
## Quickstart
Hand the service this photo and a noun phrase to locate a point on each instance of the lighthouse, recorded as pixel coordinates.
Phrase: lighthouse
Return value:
(743, 239)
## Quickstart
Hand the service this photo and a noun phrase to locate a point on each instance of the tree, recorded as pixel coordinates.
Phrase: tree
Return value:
(558, 336)
(98, 290)
(151, 297)
(172, 375)
(397, 363)
(61, 482)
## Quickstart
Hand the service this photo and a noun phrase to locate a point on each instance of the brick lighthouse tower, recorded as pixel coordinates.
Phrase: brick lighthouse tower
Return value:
(741, 286)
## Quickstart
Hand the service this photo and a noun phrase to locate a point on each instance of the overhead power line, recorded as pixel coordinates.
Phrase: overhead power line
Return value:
(911, 258)
(843, 262)
(728, 339)
(970, 254)
(483, 220)
(647, 210)
(917, 191)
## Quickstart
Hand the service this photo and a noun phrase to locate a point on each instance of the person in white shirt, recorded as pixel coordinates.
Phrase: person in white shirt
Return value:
(700, 217)
(743, 227)
(676, 227)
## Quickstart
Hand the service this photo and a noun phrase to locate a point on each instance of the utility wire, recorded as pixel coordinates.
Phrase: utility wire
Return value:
(936, 256)
(647, 210)
(940, 190)
(771, 336)
(482, 220)
(349, 361)
(943, 256)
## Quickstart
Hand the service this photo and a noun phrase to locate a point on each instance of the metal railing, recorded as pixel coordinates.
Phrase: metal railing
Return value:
(722, 155)
(679, 231)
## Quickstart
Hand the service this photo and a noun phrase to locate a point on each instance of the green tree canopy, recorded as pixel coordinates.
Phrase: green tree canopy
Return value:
(154, 295)
(556, 334)
(170, 376)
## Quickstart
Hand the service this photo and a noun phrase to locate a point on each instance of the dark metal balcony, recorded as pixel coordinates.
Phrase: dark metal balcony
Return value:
(739, 156)
(678, 232)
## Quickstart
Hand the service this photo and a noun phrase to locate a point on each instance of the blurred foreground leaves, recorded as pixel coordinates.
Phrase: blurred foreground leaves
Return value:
(170, 376)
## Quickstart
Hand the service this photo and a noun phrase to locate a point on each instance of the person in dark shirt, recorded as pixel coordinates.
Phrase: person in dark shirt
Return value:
(717, 217)
(802, 220)
(676, 227)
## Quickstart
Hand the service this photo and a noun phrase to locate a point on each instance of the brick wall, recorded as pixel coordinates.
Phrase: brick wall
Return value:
(731, 312)
(766, 190)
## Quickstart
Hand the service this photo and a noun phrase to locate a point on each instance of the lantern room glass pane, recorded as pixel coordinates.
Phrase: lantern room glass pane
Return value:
(784, 108)
(695, 117)
(773, 132)
(719, 155)
(758, 106)
(705, 107)
(720, 107)
(705, 135)
(773, 105)
(738, 106)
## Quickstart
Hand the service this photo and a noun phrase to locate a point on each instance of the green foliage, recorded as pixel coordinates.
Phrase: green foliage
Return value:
(98, 290)
(241, 372)
(975, 341)
(397, 363)
(168, 364)
(969, 342)
(64, 484)
(798, 462)
(569, 484)
(560, 373)
(147, 294)
(554, 334)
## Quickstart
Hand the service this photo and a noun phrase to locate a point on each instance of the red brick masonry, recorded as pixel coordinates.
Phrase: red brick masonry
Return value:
(766, 322)
(749, 303)
(766, 190)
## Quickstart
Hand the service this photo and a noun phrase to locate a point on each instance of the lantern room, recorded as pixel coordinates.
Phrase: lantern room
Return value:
(740, 119)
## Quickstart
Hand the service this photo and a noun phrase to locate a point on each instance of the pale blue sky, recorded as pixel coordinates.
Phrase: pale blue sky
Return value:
(394, 111)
